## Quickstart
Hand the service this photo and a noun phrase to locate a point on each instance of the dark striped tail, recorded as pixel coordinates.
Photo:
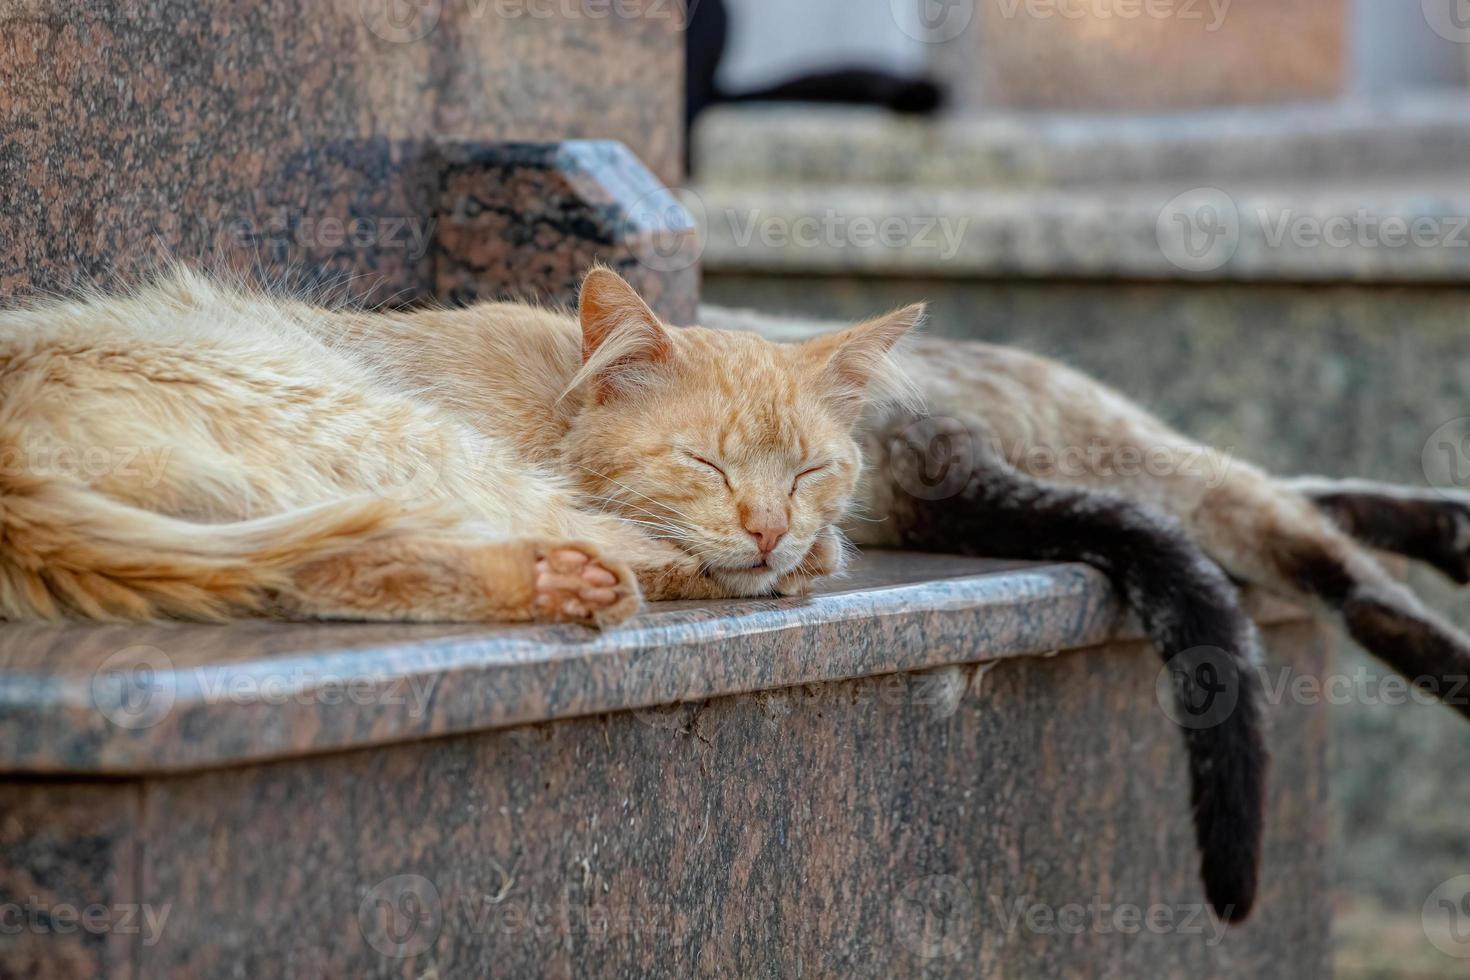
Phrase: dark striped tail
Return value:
(1186, 604)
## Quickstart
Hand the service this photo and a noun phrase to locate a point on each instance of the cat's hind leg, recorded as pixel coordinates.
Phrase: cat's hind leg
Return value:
(1187, 606)
(1425, 525)
(1267, 533)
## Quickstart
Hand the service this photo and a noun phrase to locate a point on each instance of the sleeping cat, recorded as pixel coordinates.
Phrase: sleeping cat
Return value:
(500, 463)
(505, 462)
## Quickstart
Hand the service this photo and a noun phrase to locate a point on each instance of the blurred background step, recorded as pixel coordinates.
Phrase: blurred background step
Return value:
(1379, 229)
(783, 145)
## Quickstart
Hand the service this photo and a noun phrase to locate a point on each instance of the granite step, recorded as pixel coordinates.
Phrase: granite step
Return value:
(1363, 230)
(784, 146)
(897, 776)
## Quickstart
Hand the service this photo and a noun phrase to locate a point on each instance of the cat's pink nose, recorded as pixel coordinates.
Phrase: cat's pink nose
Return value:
(767, 531)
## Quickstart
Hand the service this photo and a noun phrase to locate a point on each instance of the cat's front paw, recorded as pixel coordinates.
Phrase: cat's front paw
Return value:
(826, 557)
(576, 583)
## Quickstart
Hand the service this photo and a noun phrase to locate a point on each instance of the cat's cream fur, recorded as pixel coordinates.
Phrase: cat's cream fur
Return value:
(502, 462)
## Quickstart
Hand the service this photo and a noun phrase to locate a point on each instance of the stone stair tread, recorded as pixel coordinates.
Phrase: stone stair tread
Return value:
(785, 144)
(128, 700)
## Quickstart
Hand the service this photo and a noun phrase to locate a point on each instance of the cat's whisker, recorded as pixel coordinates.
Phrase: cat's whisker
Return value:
(639, 493)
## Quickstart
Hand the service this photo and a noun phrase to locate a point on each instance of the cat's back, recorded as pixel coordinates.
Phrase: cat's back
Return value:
(184, 311)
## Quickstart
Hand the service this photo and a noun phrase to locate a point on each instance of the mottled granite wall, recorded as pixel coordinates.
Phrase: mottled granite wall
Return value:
(915, 825)
(215, 131)
(527, 220)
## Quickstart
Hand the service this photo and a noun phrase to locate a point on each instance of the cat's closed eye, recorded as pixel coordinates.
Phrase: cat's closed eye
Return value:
(704, 462)
(809, 471)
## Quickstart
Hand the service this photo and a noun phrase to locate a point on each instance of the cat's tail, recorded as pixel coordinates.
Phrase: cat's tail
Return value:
(1266, 532)
(1186, 604)
(67, 550)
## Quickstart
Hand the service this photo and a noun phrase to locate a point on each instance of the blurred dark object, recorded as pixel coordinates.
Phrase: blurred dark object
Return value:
(704, 43)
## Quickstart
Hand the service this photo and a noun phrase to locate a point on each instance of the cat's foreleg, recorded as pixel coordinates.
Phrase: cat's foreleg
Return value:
(1426, 525)
(437, 578)
(1187, 606)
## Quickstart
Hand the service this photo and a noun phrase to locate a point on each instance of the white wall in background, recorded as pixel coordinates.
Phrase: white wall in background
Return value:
(774, 39)
(1393, 47)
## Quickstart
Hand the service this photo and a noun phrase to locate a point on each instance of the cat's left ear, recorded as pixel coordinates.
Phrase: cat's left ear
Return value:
(621, 336)
(854, 358)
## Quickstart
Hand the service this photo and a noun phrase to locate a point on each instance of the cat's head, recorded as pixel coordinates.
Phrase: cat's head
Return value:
(735, 449)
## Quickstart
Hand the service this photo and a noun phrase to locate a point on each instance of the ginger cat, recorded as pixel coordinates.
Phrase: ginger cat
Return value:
(500, 463)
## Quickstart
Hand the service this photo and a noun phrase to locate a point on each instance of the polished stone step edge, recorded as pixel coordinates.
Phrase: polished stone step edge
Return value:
(135, 700)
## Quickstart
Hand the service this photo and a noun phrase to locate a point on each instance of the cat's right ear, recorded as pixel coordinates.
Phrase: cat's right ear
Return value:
(621, 336)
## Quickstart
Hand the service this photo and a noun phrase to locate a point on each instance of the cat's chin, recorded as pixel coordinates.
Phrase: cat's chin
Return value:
(746, 581)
